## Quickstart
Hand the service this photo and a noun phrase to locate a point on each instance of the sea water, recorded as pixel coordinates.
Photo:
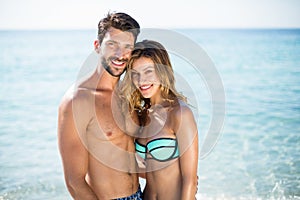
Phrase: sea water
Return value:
(257, 155)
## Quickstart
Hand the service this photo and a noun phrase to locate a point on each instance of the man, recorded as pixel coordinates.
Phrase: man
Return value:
(98, 157)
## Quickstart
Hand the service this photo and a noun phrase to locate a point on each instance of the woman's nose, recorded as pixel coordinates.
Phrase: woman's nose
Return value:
(142, 79)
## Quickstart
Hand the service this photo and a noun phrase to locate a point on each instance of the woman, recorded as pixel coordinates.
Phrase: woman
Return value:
(167, 141)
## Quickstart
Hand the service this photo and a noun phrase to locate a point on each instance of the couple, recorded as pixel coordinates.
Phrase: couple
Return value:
(110, 132)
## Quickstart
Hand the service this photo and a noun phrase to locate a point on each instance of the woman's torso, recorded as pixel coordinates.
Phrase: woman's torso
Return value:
(158, 147)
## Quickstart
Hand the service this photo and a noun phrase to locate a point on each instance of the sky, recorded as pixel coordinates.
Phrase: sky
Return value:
(75, 14)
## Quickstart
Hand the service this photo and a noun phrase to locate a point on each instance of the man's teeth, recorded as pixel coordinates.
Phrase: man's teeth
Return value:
(116, 62)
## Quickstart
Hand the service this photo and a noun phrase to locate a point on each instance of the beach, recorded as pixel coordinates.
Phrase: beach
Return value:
(256, 156)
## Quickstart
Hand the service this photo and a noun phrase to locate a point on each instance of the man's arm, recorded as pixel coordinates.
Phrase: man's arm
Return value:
(74, 154)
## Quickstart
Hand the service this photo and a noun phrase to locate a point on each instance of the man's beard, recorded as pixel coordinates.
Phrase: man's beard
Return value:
(109, 68)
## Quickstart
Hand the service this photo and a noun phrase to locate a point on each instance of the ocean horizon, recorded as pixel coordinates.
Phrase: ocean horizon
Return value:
(256, 156)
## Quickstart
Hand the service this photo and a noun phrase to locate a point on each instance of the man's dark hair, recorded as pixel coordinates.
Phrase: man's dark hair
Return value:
(121, 21)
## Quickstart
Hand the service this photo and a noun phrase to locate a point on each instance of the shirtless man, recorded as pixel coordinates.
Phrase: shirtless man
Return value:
(98, 157)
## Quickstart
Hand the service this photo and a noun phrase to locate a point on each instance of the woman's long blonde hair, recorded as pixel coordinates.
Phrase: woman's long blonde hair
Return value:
(163, 68)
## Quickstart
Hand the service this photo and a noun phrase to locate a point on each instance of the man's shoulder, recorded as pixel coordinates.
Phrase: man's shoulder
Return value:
(75, 95)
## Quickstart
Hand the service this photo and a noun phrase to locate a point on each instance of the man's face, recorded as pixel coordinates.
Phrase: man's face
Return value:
(116, 50)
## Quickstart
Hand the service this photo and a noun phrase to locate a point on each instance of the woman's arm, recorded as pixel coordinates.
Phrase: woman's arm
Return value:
(132, 128)
(187, 135)
(141, 166)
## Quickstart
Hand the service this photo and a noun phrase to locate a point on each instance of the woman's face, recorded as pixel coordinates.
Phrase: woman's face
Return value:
(145, 78)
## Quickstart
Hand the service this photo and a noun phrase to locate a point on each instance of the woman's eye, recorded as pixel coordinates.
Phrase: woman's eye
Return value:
(148, 71)
(134, 75)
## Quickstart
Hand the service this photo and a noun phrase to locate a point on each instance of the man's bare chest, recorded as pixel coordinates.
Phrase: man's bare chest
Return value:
(106, 119)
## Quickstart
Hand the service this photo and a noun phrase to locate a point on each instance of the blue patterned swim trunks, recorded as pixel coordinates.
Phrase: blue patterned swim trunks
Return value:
(136, 196)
